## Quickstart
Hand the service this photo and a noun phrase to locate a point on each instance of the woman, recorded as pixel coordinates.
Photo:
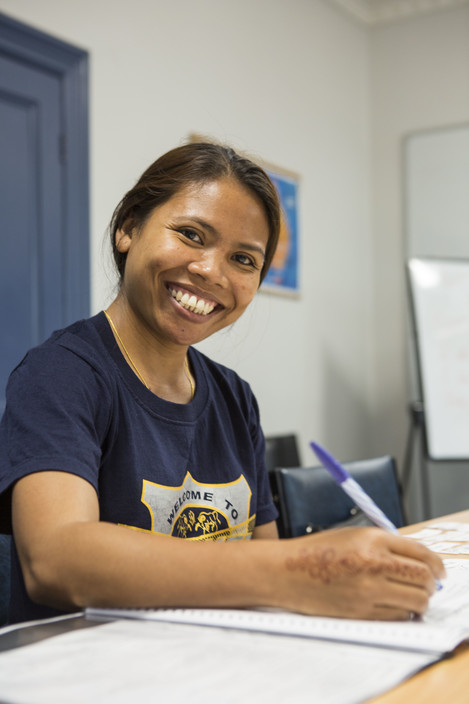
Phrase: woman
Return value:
(119, 436)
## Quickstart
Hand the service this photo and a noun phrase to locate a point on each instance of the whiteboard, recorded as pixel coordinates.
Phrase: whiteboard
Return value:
(439, 291)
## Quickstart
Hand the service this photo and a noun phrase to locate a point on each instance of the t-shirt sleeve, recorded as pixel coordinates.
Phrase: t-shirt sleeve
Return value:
(56, 416)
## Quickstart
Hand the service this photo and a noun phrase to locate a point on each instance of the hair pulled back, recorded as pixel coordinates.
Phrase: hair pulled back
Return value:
(190, 164)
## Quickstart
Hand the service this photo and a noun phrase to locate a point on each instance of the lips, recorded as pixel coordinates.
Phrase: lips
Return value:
(193, 303)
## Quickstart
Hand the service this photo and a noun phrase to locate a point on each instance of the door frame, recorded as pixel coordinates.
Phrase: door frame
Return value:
(70, 64)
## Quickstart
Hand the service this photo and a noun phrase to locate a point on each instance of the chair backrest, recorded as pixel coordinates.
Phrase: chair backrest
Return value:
(281, 451)
(310, 500)
(5, 543)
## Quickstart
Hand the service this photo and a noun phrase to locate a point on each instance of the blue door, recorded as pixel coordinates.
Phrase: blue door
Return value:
(37, 245)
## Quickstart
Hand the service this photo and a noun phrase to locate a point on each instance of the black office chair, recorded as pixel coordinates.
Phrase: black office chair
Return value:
(281, 451)
(309, 500)
(5, 542)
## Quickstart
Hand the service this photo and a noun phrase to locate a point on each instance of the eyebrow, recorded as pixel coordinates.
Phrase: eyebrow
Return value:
(242, 245)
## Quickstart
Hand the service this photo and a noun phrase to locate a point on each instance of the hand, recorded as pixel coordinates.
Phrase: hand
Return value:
(364, 573)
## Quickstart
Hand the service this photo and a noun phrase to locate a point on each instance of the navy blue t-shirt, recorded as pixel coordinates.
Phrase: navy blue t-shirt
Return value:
(193, 471)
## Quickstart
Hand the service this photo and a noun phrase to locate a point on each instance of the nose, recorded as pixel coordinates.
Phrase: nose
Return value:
(210, 265)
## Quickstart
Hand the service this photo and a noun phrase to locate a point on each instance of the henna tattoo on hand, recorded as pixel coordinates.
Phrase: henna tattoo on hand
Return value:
(325, 565)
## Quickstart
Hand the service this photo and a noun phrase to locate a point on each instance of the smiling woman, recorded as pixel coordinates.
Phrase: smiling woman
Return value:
(119, 437)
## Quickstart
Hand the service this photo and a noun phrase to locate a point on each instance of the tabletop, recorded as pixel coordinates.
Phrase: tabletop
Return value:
(446, 680)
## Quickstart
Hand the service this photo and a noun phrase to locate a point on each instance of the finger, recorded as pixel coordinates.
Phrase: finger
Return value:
(396, 601)
(413, 573)
(411, 548)
(390, 613)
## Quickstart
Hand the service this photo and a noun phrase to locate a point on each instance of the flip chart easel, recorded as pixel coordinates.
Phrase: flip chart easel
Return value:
(439, 296)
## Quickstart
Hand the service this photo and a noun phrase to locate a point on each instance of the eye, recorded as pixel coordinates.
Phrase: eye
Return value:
(190, 234)
(246, 260)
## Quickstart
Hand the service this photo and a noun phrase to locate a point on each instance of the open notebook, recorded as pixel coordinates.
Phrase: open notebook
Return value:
(444, 626)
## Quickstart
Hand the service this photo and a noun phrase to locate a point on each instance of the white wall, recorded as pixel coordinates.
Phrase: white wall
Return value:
(288, 81)
(420, 80)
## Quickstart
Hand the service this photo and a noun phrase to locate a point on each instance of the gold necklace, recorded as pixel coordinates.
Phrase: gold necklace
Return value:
(134, 366)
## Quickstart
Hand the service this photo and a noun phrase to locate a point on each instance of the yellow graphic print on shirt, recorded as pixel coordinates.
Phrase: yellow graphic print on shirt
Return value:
(197, 511)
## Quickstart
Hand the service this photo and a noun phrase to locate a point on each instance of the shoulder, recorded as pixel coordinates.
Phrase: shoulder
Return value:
(69, 356)
(83, 339)
(225, 381)
(60, 389)
(217, 371)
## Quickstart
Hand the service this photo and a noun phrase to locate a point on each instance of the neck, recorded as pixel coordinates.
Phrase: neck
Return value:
(163, 370)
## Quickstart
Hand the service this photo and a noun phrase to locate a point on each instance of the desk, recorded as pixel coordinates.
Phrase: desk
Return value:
(447, 680)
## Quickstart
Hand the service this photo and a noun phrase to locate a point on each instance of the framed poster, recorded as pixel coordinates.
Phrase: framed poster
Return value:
(283, 275)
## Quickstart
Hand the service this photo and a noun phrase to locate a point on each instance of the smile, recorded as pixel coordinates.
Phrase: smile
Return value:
(192, 303)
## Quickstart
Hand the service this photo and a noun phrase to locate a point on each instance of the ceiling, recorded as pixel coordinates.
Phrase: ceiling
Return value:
(376, 12)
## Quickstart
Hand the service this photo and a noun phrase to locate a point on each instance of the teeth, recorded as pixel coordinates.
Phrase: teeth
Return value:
(192, 303)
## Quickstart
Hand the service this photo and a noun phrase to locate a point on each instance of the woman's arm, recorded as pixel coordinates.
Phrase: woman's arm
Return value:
(268, 531)
(71, 559)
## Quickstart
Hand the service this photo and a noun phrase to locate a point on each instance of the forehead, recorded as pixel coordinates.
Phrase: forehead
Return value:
(224, 204)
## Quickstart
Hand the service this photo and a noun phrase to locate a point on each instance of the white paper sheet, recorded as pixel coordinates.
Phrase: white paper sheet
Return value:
(447, 537)
(143, 661)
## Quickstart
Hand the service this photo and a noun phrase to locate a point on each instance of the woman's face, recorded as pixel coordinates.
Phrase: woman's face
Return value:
(195, 265)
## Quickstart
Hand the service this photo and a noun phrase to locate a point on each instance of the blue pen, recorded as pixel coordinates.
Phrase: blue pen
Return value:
(356, 493)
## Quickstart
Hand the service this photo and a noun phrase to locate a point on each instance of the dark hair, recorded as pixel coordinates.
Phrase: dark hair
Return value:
(196, 162)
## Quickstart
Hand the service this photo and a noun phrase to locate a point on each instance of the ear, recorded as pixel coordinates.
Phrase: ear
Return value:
(123, 241)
